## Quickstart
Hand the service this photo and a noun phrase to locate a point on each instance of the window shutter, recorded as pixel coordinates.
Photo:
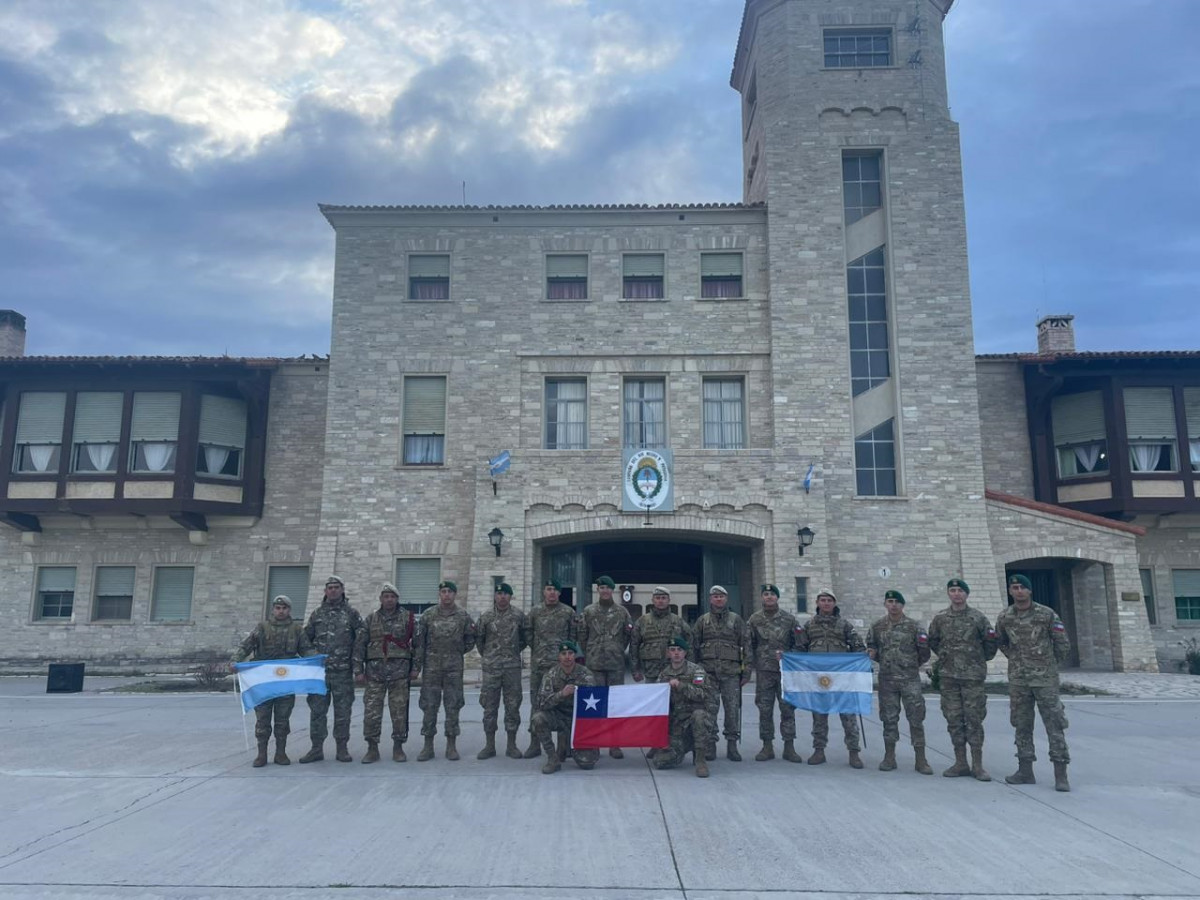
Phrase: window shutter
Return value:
(114, 581)
(1149, 414)
(425, 405)
(292, 582)
(643, 265)
(429, 266)
(566, 266)
(56, 578)
(41, 418)
(1191, 406)
(98, 417)
(1187, 582)
(172, 594)
(155, 417)
(222, 421)
(1077, 418)
(720, 265)
(417, 580)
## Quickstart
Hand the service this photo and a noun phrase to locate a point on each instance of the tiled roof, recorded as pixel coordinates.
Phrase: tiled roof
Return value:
(1084, 355)
(1063, 512)
(251, 362)
(566, 207)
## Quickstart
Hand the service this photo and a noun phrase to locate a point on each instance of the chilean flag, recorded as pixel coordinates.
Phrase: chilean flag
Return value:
(626, 715)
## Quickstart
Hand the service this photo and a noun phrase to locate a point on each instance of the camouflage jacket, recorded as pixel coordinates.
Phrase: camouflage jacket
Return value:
(900, 648)
(963, 641)
(444, 638)
(333, 629)
(650, 636)
(721, 643)
(605, 635)
(275, 640)
(555, 680)
(770, 633)
(501, 636)
(1035, 643)
(549, 626)
(692, 693)
(828, 634)
(385, 637)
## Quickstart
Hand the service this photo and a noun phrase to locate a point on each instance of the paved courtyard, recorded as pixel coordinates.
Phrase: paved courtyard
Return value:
(152, 795)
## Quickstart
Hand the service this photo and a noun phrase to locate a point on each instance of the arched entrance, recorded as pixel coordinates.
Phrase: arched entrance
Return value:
(1079, 590)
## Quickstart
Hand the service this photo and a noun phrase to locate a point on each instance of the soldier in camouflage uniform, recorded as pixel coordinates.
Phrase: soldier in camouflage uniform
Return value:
(555, 709)
(279, 637)
(900, 646)
(383, 657)
(446, 633)
(721, 643)
(772, 633)
(332, 629)
(828, 632)
(691, 723)
(549, 625)
(501, 634)
(963, 639)
(604, 636)
(1035, 641)
(651, 634)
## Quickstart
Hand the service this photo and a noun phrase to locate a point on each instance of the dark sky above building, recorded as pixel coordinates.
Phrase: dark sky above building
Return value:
(161, 162)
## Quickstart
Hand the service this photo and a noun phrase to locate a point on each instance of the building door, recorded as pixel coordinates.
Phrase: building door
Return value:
(723, 566)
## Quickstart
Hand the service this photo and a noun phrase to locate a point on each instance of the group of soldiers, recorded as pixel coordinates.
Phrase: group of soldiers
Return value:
(706, 666)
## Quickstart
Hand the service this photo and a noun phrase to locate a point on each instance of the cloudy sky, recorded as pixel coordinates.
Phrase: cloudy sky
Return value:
(161, 162)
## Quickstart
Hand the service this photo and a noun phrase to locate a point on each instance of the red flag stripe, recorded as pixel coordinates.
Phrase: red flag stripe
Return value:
(633, 731)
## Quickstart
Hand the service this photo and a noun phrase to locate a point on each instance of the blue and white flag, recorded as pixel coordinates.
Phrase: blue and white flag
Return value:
(827, 682)
(498, 464)
(266, 679)
(808, 477)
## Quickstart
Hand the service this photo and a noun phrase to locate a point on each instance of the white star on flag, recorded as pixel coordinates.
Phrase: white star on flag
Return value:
(591, 702)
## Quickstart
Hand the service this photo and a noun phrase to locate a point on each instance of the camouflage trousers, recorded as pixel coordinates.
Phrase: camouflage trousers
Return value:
(499, 683)
(1021, 703)
(820, 731)
(341, 695)
(607, 677)
(536, 674)
(964, 705)
(907, 692)
(768, 690)
(652, 668)
(386, 681)
(280, 710)
(727, 692)
(690, 734)
(441, 688)
(546, 723)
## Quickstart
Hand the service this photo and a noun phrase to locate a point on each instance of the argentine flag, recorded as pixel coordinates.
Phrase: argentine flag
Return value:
(266, 679)
(827, 682)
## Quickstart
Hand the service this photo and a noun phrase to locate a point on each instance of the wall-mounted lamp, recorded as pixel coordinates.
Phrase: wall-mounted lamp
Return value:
(805, 536)
(496, 538)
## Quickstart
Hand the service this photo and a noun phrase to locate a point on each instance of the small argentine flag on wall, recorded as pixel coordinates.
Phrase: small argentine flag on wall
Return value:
(266, 679)
(827, 682)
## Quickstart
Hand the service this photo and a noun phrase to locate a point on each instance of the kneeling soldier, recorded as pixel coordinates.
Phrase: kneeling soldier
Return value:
(383, 655)
(691, 723)
(556, 707)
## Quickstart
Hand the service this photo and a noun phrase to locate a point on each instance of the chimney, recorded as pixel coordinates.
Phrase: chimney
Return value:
(12, 333)
(1056, 334)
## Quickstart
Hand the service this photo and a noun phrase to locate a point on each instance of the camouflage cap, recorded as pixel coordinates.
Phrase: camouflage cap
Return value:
(564, 646)
(550, 582)
(769, 589)
(282, 600)
(958, 583)
(679, 641)
(1021, 580)
(660, 590)
(504, 588)
(717, 589)
(449, 585)
(605, 581)
(333, 579)
(388, 588)
(894, 595)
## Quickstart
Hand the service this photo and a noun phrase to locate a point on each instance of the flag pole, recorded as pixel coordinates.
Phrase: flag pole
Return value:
(862, 729)
(237, 693)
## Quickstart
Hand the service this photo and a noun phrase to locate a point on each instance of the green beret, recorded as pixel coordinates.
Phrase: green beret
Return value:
(958, 583)
(769, 589)
(605, 581)
(504, 588)
(553, 584)
(448, 584)
(1021, 580)
(894, 595)
(569, 645)
(679, 641)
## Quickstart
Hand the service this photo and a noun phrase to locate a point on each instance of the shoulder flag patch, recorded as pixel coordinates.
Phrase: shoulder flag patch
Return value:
(698, 679)
(1058, 626)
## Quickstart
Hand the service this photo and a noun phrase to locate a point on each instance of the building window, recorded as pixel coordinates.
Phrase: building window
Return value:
(113, 601)
(724, 413)
(417, 581)
(642, 276)
(222, 436)
(1079, 434)
(721, 275)
(39, 432)
(858, 48)
(1148, 595)
(1191, 406)
(154, 432)
(801, 595)
(645, 413)
(292, 582)
(870, 365)
(1187, 594)
(1150, 427)
(566, 414)
(862, 186)
(567, 276)
(171, 596)
(429, 276)
(97, 431)
(424, 420)
(55, 593)
(875, 461)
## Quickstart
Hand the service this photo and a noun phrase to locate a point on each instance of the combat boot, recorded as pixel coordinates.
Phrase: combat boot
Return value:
(616, 752)
(398, 751)
(701, 766)
(1024, 773)
(426, 751)
(960, 766)
(977, 769)
(489, 746)
(889, 757)
(818, 756)
(281, 757)
(452, 747)
(563, 751)
(922, 764)
(512, 751)
(789, 752)
(1060, 777)
(710, 752)
(261, 759)
(343, 752)
(372, 754)
(534, 750)
(731, 752)
(855, 760)
(553, 763)
(767, 752)
(316, 754)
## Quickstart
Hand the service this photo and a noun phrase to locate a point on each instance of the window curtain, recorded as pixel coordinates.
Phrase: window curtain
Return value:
(643, 289)
(566, 290)
(431, 290)
(423, 449)
(41, 455)
(1087, 457)
(157, 454)
(570, 415)
(720, 288)
(215, 458)
(1146, 457)
(723, 414)
(101, 456)
(1194, 454)
(644, 410)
